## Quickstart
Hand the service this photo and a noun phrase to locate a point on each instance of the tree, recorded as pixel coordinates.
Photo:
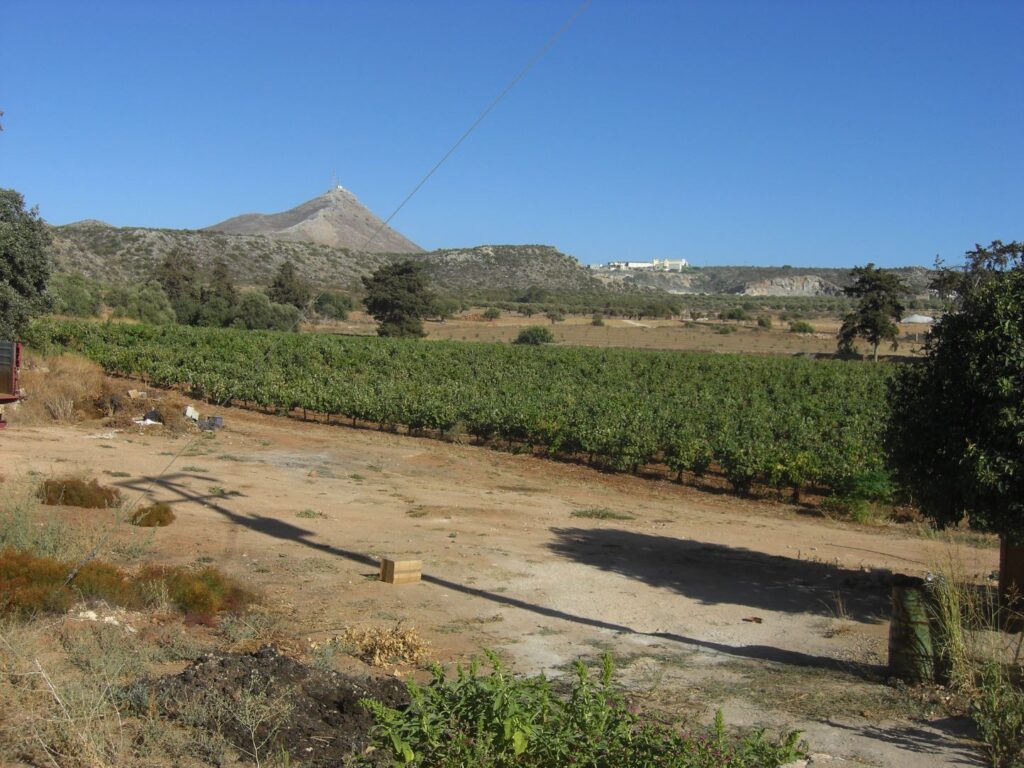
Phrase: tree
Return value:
(24, 264)
(218, 299)
(954, 437)
(492, 313)
(178, 274)
(879, 307)
(288, 288)
(397, 297)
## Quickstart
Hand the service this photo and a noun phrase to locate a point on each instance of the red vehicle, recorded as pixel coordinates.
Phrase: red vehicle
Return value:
(10, 362)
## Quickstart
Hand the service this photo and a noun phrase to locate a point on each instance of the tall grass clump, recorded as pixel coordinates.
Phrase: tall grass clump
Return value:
(498, 719)
(981, 662)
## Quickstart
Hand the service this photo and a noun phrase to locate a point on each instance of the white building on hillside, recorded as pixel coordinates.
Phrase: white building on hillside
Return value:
(656, 265)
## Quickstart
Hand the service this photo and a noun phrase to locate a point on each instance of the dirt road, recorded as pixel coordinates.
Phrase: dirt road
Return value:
(706, 600)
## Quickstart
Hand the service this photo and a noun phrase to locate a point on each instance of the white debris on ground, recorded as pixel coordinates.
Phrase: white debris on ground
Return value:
(103, 615)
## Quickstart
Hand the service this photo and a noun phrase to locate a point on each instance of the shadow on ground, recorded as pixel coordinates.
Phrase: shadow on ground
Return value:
(176, 484)
(715, 574)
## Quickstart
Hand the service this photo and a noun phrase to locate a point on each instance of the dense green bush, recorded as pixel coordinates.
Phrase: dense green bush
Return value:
(147, 303)
(492, 313)
(801, 326)
(75, 295)
(535, 334)
(333, 305)
(255, 311)
(498, 720)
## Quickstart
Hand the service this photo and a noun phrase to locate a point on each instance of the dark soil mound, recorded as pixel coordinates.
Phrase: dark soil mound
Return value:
(324, 721)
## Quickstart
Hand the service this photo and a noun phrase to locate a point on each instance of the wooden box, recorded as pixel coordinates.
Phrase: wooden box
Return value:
(400, 571)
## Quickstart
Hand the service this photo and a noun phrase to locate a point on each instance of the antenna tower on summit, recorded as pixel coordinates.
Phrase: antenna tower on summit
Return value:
(334, 180)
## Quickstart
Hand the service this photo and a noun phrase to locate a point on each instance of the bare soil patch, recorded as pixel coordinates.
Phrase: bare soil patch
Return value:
(671, 593)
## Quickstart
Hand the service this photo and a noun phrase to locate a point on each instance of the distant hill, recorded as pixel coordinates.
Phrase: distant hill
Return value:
(507, 267)
(335, 218)
(754, 281)
(117, 255)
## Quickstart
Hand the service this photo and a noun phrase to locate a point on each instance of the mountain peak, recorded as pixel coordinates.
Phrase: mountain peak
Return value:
(335, 218)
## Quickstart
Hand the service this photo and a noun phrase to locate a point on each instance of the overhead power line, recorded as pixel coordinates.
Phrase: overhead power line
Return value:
(480, 118)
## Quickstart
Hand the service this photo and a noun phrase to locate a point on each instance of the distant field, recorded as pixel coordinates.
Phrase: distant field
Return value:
(705, 336)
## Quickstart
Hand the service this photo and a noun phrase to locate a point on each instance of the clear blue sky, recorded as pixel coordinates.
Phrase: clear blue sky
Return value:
(804, 132)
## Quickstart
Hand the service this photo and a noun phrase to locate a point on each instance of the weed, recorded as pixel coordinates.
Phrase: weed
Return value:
(75, 492)
(116, 474)
(254, 625)
(193, 468)
(156, 515)
(500, 719)
(357, 477)
(602, 513)
(309, 514)
(416, 512)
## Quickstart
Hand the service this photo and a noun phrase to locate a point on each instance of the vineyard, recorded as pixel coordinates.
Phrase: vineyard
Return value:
(783, 422)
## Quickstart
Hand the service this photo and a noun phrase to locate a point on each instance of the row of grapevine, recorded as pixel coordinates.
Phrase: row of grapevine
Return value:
(787, 422)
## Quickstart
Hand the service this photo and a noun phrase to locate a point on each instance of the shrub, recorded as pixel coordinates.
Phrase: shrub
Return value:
(156, 515)
(147, 302)
(501, 720)
(199, 594)
(30, 584)
(724, 330)
(801, 326)
(335, 306)
(764, 322)
(73, 492)
(535, 335)
(597, 319)
(255, 311)
(492, 313)
(736, 313)
(555, 316)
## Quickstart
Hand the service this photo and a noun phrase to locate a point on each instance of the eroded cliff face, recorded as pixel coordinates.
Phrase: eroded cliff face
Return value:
(791, 285)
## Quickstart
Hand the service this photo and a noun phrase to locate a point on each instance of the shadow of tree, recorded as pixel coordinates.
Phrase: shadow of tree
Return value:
(715, 574)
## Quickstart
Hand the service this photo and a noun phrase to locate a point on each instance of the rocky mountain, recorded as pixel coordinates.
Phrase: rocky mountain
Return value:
(335, 218)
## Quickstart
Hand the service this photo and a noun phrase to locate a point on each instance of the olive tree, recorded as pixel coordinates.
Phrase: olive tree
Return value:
(956, 434)
(24, 264)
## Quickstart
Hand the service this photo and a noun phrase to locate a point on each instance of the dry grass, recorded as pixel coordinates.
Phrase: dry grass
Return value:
(156, 515)
(75, 492)
(382, 645)
(62, 389)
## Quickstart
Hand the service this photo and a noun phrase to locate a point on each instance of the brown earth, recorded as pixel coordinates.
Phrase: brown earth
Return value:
(706, 600)
(704, 336)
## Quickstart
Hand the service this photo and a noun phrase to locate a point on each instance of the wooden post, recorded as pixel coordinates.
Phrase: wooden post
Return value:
(1011, 584)
(400, 571)
(911, 658)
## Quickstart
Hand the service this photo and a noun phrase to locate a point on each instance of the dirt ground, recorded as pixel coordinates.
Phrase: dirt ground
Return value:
(706, 601)
(647, 334)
